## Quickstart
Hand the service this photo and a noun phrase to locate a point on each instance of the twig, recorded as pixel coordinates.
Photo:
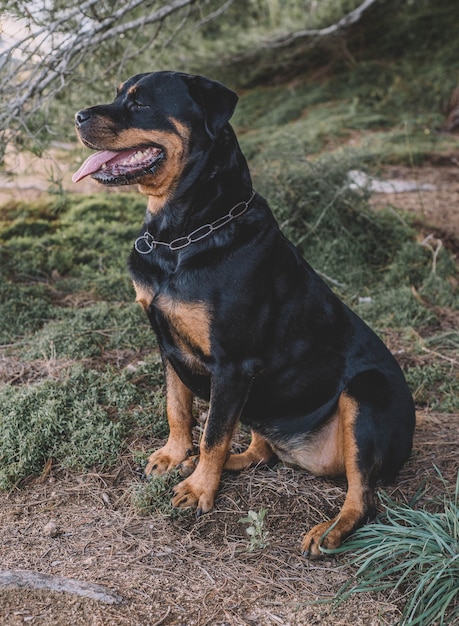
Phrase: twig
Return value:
(25, 579)
(426, 243)
(163, 618)
(440, 356)
(331, 280)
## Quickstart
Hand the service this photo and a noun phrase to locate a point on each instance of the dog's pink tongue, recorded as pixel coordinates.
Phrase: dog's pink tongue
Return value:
(94, 163)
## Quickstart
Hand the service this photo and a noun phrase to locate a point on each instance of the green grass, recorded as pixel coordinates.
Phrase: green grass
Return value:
(81, 420)
(390, 117)
(413, 552)
(89, 331)
(434, 387)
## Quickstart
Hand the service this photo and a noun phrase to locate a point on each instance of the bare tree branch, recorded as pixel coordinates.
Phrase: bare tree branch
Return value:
(67, 52)
(313, 35)
(351, 18)
(36, 67)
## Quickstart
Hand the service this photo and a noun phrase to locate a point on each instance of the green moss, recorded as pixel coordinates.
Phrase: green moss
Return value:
(80, 420)
(67, 419)
(88, 332)
(23, 309)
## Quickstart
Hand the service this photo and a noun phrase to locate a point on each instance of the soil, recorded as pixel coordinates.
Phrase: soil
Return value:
(196, 572)
(438, 209)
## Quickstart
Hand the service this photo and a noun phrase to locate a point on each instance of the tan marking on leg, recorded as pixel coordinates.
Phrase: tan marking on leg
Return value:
(144, 295)
(199, 489)
(190, 320)
(357, 495)
(179, 414)
(259, 451)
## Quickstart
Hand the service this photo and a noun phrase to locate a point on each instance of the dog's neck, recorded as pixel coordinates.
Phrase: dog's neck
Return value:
(207, 191)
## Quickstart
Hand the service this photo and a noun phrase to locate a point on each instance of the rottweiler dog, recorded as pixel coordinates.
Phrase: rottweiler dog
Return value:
(241, 319)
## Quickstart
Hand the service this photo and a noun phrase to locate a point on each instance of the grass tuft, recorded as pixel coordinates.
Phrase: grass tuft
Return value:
(413, 551)
(153, 496)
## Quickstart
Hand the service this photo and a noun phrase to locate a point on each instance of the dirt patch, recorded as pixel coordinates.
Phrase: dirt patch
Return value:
(191, 571)
(25, 176)
(439, 208)
(196, 572)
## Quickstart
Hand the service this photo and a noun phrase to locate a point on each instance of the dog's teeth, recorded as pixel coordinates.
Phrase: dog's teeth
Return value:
(137, 157)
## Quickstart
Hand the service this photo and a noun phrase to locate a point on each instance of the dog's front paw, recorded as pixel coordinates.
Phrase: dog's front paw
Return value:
(166, 459)
(195, 494)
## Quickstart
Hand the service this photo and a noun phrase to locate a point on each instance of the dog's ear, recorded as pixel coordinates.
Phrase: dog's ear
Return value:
(217, 101)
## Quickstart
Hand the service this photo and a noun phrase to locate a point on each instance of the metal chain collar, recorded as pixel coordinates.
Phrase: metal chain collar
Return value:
(146, 242)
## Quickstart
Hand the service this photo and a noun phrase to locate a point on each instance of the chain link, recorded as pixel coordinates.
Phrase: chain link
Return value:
(202, 232)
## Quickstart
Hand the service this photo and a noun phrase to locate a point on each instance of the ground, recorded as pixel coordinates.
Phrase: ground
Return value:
(194, 572)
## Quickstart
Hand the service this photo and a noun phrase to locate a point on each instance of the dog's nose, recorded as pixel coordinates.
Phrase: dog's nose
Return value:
(81, 117)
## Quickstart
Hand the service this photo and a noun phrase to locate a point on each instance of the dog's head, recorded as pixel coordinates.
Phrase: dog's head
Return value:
(157, 124)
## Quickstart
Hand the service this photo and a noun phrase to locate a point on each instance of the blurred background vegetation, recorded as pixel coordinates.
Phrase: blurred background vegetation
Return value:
(398, 59)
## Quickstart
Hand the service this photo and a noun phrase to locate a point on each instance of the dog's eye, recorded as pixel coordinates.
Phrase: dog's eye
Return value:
(136, 105)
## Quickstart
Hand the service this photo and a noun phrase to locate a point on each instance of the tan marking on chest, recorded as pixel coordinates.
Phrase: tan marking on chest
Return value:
(190, 320)
(144, 295)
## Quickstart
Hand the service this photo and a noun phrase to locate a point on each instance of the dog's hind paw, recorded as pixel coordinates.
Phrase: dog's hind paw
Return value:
(328, 535)
(187, 467)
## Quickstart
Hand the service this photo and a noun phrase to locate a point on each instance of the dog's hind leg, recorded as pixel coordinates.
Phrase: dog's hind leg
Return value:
(259, 451)
(359, 502)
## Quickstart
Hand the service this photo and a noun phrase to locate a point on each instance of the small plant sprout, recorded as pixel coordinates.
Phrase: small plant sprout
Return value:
(434, 245)
(258, 536)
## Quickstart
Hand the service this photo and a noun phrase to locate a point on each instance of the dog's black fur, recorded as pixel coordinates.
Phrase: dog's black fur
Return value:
(241, 319)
